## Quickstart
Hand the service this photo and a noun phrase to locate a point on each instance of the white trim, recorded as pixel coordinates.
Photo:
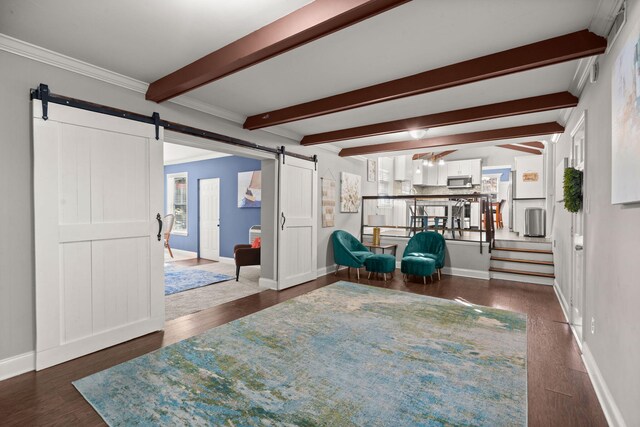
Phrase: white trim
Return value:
(267, 283)
(214, 155)
(183, 253)
(466, 272)
(16, 365)
(170, 185)
(323, 271)
(523, 278)
(227, 260)
(609, 407)
(55, 59)
(562, 301)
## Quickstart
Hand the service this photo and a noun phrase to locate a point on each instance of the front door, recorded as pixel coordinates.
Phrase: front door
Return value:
(298, 230)
(209, 202)
(98, 195)
(577, 226)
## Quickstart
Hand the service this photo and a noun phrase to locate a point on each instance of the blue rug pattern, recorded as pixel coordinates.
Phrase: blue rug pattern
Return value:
(178, 279)
(343, 355)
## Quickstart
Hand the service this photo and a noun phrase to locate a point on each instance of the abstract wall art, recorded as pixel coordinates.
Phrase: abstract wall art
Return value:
(350, 190)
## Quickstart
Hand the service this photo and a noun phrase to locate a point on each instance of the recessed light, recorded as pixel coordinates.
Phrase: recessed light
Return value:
(417, 133)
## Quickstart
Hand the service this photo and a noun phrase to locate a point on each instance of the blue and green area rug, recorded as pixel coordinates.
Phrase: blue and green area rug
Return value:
(342, 355)
(179, 279)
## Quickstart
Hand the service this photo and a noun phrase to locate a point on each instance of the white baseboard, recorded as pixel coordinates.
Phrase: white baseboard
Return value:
(465, 272)
(562, 301)
(267, 283)
(323, 271)
(184, 254)
(17, 365)
(226, 260)
(611, 411)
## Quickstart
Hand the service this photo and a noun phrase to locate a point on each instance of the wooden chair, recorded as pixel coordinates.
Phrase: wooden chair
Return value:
(167, 226)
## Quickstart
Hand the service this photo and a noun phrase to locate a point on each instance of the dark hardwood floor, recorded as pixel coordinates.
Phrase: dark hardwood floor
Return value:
(559, 390)
(192, 262)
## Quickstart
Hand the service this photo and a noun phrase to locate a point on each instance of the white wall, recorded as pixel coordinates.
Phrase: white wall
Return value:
(612, 248)
(17, 76)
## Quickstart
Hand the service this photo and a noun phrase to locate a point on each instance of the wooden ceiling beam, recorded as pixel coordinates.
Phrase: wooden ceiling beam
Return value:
(462, 138)
(534, 144)
(568, 47)
(443, 154)
(519, 148)
(535, 104)
(311, 22)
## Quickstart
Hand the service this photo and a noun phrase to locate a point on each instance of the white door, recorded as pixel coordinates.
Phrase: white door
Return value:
(298, 222)
(210, 219)
(98, 190)
(577, 227)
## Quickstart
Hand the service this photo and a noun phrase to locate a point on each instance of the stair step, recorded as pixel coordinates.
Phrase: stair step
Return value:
(532, 251)
(524, 261)
(522, 272)
(524, 244)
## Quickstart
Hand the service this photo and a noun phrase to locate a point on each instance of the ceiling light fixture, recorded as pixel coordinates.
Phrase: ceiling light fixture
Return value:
(430, 163)
(441, 162)
(417, 133)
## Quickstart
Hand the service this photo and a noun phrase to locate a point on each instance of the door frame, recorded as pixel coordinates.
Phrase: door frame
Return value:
(268, 211)
(199, 204)
(579, 336)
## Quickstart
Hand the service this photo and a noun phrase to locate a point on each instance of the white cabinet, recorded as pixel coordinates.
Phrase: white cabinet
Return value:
(418, 178)
(402, 166)
(431, 174)
(471, 168)
(475, 170)
(442, 175)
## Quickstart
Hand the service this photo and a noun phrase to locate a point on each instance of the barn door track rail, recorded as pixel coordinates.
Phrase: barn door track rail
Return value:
(43, 94)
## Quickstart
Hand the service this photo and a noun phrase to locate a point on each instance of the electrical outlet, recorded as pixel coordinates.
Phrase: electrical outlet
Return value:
(593, 325)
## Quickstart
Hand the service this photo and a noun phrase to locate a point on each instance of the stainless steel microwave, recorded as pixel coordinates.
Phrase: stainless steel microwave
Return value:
(459, 181)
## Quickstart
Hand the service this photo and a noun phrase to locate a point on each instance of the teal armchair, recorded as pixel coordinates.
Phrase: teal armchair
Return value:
(348, 251)
(427, 244)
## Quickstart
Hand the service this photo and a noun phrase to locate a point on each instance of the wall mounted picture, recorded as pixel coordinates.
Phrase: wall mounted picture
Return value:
(625, 123)
(350, 190)
(372, 170)
(328, 202)
(249, 189)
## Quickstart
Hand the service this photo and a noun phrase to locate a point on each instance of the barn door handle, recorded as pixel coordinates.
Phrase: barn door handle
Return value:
(284, 219)
(159, 219)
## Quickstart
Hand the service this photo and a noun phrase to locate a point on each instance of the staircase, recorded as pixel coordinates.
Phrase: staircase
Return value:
(522, 261)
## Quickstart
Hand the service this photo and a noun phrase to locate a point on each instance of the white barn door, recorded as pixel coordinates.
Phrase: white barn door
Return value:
(298, 222)
(98, 188)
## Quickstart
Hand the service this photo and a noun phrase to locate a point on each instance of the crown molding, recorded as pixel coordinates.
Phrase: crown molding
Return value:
(55, 59)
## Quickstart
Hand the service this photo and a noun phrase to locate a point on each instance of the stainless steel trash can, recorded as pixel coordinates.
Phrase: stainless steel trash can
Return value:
(534, 222)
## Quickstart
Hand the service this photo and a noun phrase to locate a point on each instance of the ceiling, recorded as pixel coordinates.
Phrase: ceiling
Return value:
(176, 153)
(147, 39)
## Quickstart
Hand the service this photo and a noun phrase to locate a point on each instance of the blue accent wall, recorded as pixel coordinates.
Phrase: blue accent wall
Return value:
(234, 222)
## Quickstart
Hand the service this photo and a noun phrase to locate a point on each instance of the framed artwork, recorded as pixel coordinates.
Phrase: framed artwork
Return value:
(249, 189)
(350, 192)
(328, 202)
(625, 122)
(371, 170)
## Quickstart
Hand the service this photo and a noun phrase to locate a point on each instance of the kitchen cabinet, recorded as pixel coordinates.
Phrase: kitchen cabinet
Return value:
(472, 167)
(431, 174)
(442, 175)
(474, 214)
(418, 178)
(402, 168)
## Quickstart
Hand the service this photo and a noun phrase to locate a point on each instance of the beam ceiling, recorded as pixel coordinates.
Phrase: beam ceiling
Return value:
(519, 148)
(463, 138)
(311, 22)
(534, 104)
(546, 52)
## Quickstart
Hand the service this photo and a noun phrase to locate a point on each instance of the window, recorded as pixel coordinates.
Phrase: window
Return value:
(177, 201)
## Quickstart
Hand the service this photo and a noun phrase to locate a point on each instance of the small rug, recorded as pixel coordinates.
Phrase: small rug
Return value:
(345, 354)
(178, 279)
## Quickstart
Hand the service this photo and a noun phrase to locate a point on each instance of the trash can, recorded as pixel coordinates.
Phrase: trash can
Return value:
(535, 222)
(254, 232)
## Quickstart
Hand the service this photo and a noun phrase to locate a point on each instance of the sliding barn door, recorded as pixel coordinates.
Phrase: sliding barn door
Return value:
(298, 229)
(98, 191)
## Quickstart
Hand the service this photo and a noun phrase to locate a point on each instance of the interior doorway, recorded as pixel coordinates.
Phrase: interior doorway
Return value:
(209, 219)
(578, 151)
(215, 198)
